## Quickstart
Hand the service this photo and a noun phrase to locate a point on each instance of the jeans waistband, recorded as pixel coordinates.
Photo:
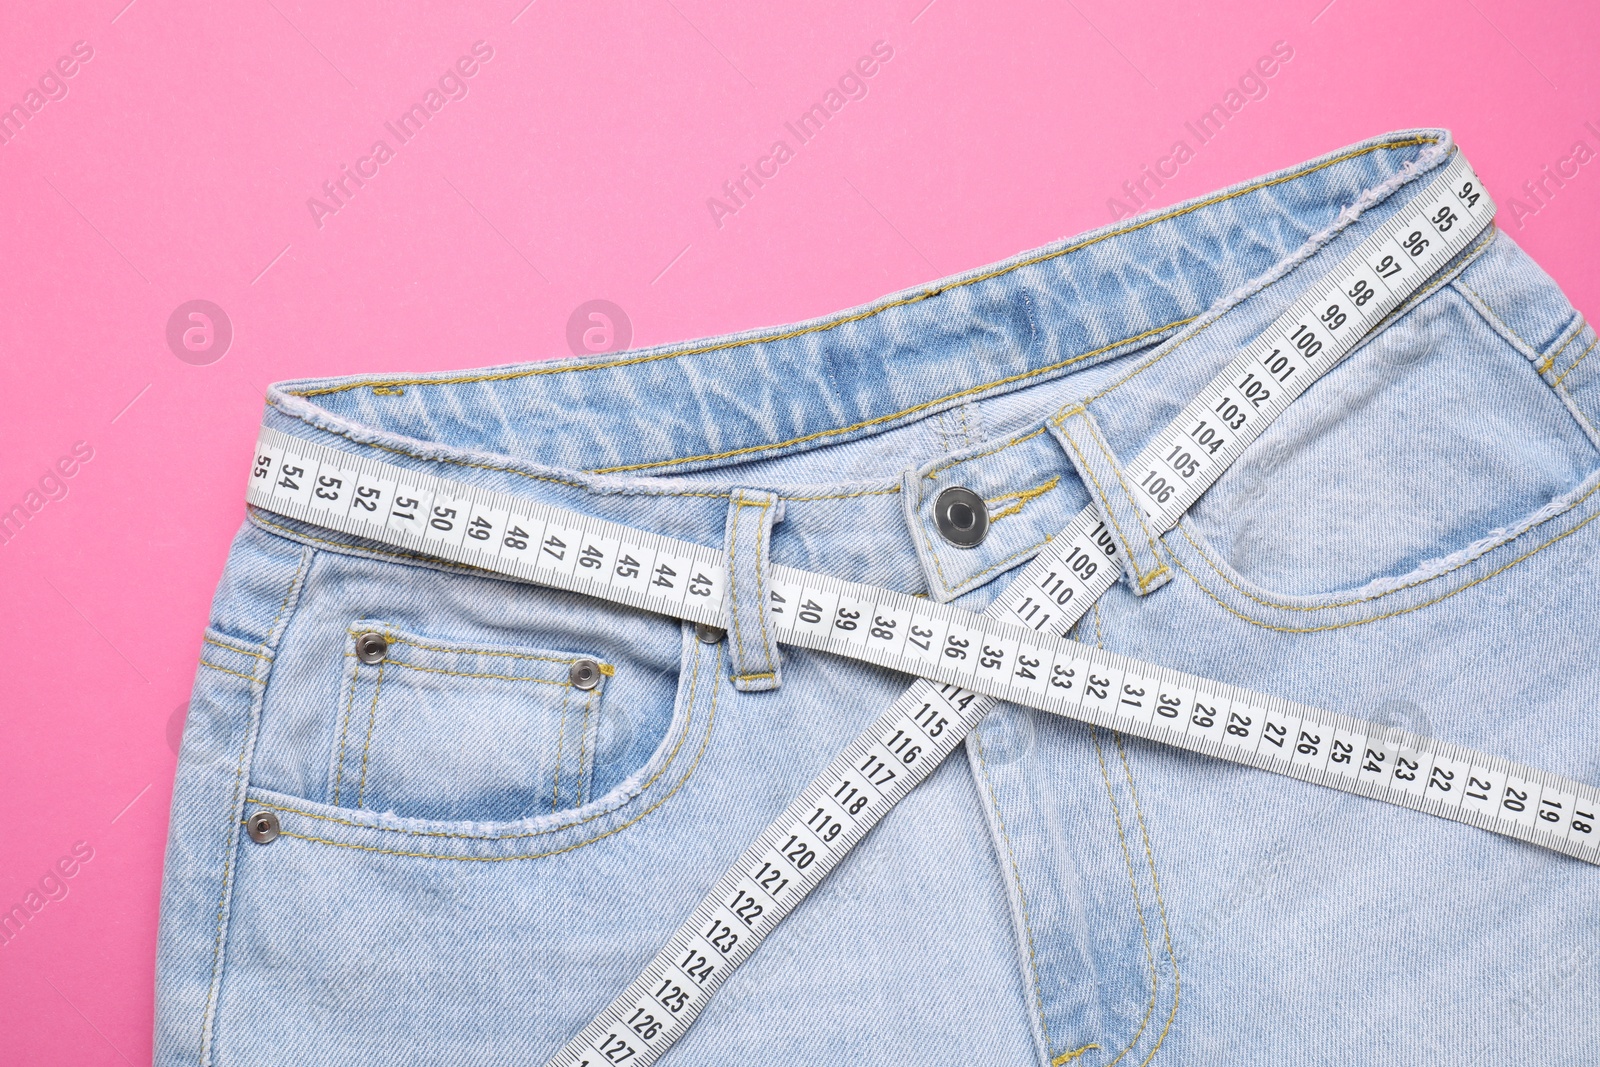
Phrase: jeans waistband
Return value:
(858, 419)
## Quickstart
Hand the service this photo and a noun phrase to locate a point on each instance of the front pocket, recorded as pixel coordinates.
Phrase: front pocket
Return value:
(435, 729)
(1434, 439)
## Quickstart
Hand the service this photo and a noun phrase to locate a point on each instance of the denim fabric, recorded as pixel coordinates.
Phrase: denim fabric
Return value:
(1410, 543)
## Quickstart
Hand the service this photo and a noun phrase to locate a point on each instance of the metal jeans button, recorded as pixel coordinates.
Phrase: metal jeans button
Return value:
(962, 516)
(371, 647)
(585, 674)
(708, 633)
(262, 827)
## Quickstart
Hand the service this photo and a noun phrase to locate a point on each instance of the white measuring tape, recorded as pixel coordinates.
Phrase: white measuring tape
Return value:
(968, 661)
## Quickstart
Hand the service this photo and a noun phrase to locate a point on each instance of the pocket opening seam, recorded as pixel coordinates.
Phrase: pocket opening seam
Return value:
(395, 638)
(1230, 609)
(565, 684)
(672, 757)
(398, 640)
(679, 784)
(1206, 557)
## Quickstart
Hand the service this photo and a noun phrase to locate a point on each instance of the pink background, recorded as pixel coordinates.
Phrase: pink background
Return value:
(578, 166)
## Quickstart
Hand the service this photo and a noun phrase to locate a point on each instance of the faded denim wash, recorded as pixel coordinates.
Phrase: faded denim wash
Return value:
(476, 856)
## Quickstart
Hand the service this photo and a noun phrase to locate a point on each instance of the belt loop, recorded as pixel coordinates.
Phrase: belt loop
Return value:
(751, 516)
(1102, 475)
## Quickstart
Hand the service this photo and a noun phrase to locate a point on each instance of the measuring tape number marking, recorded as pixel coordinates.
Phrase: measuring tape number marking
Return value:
(965, 662)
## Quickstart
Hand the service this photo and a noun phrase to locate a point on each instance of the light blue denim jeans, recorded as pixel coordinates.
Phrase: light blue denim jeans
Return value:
(476, 855)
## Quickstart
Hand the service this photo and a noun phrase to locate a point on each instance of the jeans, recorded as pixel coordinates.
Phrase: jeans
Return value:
(477, 853)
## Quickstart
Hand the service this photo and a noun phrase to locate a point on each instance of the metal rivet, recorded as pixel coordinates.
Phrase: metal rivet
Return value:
(371, 647)
(708, 633)
(585, 674)
(962, 516)
(263, 827)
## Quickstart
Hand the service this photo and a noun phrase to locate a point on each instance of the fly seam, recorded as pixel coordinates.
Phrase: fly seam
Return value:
(1138, 904)
(1016, 880)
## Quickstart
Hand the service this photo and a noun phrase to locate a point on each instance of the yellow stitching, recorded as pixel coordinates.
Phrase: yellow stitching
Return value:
(386, 390)
(710, 723)
(401, 639)
(1496, 315)
(1138, 904)
(1410, 302)
(224, 670)
(924, 295)
(980, 455)
(737, 500)
(672, 757)
(972, 579)
(233, 838)
(372, 721)
(1147, 580)
(490, 466)
(1027, 927)
(1135, 372)
(1377, 618)
(756, 677)
(1577, 361)
(1204, 555)
(1116, 468)
(898, 414)
(605, 668)
(561, 736)
(1155, 880)
(1484, 243)
(1023, 498)
(1144, 579)
(1099, 634)
(564, 683)
(230, 648)
(766, 642)
(1550, 362)
(1104, 501)
(344, 730)
(1467, 258)
(1067, 1057)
